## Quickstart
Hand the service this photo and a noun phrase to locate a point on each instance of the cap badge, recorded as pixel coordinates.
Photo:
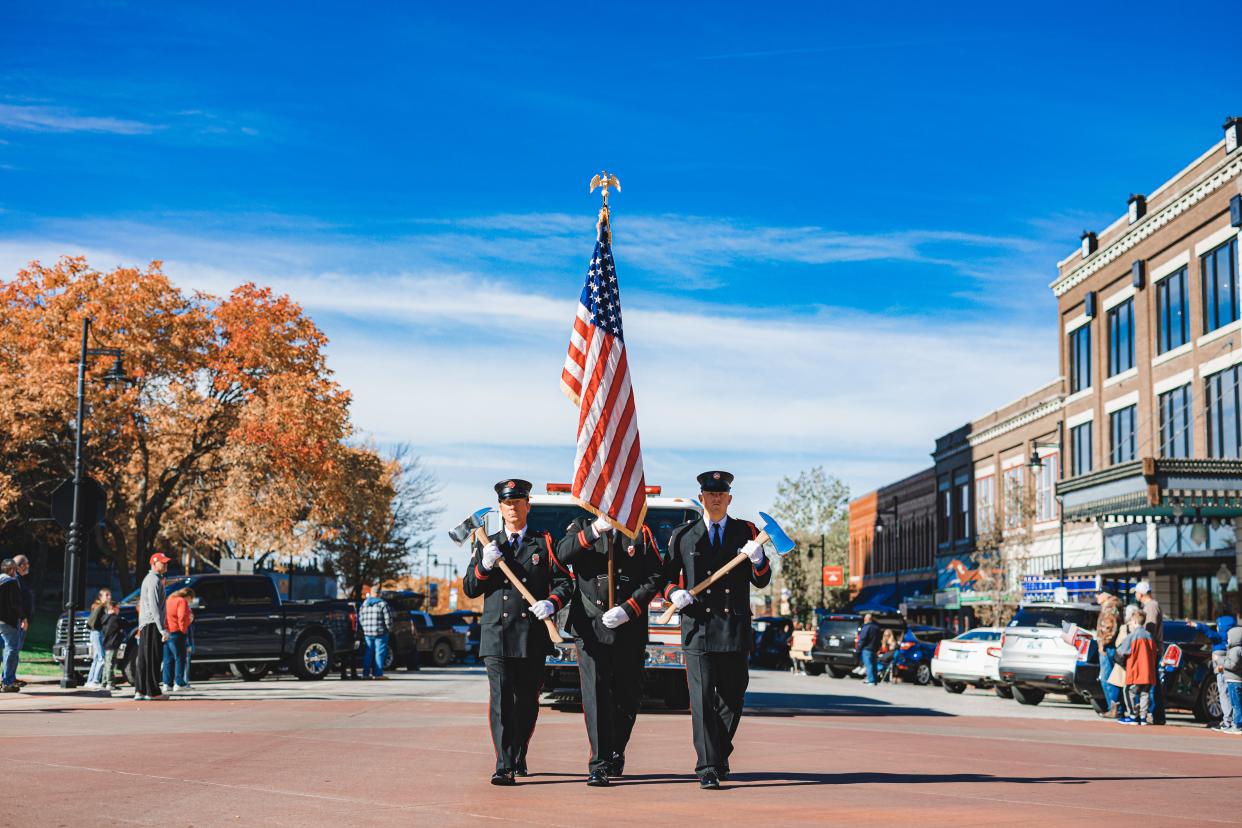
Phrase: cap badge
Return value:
(715, 475)
(510, 485)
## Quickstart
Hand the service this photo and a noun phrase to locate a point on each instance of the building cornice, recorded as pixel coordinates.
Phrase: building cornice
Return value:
(1229, 168)
(1017, 421)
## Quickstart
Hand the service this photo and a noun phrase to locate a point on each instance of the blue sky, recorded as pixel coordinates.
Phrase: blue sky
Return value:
(827, 211)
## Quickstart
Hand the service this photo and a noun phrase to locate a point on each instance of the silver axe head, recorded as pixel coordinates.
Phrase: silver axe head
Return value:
(461, 533)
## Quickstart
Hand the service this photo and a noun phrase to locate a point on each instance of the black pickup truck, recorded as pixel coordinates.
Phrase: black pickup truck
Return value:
(241, 621)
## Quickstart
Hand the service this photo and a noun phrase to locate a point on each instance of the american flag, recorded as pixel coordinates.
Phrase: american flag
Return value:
(608, 468)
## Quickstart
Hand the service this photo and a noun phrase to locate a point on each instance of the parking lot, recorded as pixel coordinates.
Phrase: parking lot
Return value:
(415, 748)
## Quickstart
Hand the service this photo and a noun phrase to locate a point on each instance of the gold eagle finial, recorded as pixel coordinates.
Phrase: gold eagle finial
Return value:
(604, 180)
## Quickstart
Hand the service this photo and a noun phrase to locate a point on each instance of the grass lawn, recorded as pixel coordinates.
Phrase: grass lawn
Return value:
(36, 657)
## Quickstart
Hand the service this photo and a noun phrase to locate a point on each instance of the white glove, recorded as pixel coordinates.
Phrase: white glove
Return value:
(491, 554)
(681, 598)
(600, 526)
(615, 617)
(542, 609)
(754, 551)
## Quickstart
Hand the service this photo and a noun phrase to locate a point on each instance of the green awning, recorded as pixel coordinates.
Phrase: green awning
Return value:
(1155, 489)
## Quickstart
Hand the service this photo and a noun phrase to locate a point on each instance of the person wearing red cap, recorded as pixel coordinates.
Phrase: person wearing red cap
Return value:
(152, 631)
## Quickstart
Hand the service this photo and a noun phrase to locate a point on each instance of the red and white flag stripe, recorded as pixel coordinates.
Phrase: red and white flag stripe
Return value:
(608, 466)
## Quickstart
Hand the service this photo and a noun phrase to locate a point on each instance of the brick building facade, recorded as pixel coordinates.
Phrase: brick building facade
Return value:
(1129, 464)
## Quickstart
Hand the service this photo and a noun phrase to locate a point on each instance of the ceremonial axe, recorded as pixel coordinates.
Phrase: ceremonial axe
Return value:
(476, 525)
(772, 533)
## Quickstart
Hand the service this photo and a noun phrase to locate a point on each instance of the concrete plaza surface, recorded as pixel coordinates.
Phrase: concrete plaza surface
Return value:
(415, 751)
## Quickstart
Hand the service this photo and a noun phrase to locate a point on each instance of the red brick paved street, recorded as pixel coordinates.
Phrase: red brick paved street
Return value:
(287, 753)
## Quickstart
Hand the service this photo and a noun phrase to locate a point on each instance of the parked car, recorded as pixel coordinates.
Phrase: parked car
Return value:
(912, 661)
(972, 658)
(241, 621)
(440, 639)
(835, 637)
(1035, 660)
(1187, 672)
(467, 621)
(772, 637)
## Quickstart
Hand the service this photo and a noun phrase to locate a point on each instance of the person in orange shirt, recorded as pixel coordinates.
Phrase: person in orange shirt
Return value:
(1139, 651)
(178, 618)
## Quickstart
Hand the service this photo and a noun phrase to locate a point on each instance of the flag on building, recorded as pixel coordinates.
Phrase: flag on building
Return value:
(608, 467)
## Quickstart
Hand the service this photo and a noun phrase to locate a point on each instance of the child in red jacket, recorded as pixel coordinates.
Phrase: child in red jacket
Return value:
(1139, 651)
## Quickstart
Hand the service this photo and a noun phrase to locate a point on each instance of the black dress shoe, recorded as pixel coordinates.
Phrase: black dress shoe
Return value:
(616, 765)
(598, 779)
(503, 778)
(521, 770)
(724, 773)
(709, 781)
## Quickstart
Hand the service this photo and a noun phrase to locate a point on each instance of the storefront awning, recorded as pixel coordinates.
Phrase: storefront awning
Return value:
(875, 598)
(1155, 489)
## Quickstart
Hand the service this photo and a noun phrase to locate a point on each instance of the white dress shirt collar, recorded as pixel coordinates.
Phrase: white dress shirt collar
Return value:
(521, 533)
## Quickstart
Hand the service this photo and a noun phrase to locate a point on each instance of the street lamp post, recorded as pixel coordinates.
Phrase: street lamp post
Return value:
(73, 543)
(1036, 465)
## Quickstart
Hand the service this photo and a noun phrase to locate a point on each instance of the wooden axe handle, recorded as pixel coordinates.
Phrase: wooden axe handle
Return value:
(760, 539)
(553, 632)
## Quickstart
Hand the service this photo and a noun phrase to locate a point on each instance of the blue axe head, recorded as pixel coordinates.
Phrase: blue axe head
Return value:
(460, 533)
(781, 542)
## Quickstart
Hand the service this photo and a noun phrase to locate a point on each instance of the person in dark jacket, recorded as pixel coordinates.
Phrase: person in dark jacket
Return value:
(12, 617)
(1219, 639)
(609, 625)
(716, 635)
(868, 644)
(25, 584)
(514, 640)
(113, 638)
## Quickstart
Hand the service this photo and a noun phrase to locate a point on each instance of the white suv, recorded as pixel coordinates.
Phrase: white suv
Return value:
(1035, 659)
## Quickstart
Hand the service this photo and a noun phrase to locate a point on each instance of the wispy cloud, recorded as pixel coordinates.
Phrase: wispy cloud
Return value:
(431, 353)
(40, 118)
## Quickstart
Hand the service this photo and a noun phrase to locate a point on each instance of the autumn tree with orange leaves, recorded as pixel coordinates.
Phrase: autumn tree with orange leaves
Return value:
(230, 440)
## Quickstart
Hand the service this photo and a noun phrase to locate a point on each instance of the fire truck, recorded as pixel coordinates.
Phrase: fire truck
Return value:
(665, 671)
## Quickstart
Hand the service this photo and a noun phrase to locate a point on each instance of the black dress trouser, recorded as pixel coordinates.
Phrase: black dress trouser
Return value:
(612, 683)
(717, 690)
(149, 662)
(513, 706)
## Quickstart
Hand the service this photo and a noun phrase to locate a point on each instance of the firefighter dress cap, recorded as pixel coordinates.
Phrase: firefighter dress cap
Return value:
(715, 481)
(512, 489)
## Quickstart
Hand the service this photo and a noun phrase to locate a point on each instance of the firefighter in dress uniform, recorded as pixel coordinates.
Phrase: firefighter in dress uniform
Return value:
(610, 636)
(513, 637)
(715, 627)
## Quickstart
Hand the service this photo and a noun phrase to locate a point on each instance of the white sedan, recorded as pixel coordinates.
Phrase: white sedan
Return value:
(971, 658)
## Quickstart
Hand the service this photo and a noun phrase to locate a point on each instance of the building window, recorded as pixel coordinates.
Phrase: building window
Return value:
(1220, 285)
(985, 504)
(1045, 489)
(944, 517)
(1175, 433)
(1121, 435)
(1224, 429)
(1080, 358)
(1080, 441)
(1173, 329)
(1125, 543)
(1012, 479)
(1121, 338)
(961, 522)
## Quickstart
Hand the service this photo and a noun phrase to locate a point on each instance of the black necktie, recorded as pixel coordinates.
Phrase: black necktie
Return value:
(513, 541)
(716, 535)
